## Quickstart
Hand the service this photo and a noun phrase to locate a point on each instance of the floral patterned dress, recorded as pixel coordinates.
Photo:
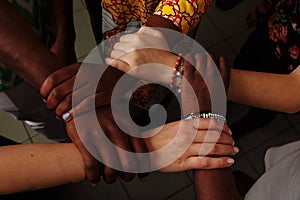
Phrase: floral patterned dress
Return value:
(274, 45)
(284, 31)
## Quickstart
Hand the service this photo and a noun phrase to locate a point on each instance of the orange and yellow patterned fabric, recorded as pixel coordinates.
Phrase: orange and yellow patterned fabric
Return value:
(185, 14)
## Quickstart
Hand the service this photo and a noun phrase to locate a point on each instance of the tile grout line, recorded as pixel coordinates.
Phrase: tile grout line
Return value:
(125, 189)
(252, 165)
(177, 192)
(259, 144)
(292, 125)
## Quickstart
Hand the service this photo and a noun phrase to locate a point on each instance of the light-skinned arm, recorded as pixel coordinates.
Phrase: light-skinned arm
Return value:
(270, 91)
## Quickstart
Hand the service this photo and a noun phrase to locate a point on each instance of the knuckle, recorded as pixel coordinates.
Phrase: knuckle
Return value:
(214, 149)
(91, 165)
(52, 79)
(56, 92)
(205, 162)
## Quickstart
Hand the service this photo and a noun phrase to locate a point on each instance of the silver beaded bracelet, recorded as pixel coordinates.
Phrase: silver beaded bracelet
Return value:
(206, 116)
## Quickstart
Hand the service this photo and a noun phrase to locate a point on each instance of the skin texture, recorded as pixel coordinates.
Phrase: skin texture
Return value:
(26, 55)
(270, 90)
(38, 172)
(64, 46)
(30, 59)
(215, 179)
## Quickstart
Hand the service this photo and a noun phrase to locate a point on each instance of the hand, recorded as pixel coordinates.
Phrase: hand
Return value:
(91, 136)
(147, 46)
(211, 147)
(202, 78)
(65, 50)
(58, 88)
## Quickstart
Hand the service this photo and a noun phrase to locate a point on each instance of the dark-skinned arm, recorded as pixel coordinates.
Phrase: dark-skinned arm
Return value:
(216, 184)
(21, 50)
(64, 46)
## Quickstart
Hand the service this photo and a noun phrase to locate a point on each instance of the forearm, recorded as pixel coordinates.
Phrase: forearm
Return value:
(269, 91)
(36, 166)
(24, 53)
(62, 12)
(216, 184)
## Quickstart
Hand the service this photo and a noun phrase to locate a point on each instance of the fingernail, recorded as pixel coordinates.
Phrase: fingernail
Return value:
(58, 118)
(230, 132)
(236, 150)
(44, 100)
(67, 116)
(230, 161)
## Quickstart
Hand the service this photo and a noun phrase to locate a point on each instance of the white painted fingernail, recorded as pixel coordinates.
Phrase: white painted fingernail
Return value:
(230, 161)
(236, 150)
(66, 116)
(230, 132)
(44, 100)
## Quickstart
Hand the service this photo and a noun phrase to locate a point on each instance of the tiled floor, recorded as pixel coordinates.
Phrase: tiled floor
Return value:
(222, 32)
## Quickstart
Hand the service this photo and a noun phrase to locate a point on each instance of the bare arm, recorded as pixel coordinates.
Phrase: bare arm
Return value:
(270, 91)
(21, 49)
(36, 166)
(47, 165)
(64, 46)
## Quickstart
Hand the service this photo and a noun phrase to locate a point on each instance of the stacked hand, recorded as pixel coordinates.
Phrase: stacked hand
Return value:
(58, 90)
(201, 75)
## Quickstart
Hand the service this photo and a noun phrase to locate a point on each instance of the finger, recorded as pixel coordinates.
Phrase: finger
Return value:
(118, 63)
(65, 106)
(124, 47)
(110, 175)
(127, 177)
(189, 67)
(211, 149)
(201, 63)
(128, 38)
(139, 146)
(121, 146)
(211, 124)
(208, 163)
(213, 136)
(57, 77)
(92, 166)
(59, 93)
(116, 54)
(150, 31)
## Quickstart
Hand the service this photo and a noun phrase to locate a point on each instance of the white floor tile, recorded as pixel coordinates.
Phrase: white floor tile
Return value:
(12, 128)
(77, 5)
(85, 41)
(39, 138)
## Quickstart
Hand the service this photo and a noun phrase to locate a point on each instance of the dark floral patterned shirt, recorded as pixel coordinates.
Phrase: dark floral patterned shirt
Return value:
(284, 31)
